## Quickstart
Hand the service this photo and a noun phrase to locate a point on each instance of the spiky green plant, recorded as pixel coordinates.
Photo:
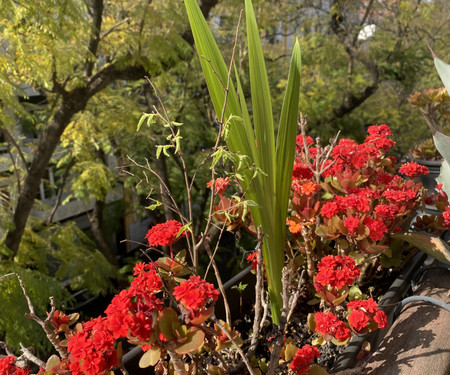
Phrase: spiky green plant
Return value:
(274, 157)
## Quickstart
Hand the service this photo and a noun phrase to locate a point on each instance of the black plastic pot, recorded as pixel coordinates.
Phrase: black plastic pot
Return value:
(396, 293)
(429, 180)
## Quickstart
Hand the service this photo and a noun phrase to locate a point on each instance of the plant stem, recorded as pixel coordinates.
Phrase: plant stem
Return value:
(177, 363)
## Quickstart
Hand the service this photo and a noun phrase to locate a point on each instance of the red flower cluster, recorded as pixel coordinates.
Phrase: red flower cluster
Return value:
(194, 294)
(336, 271)
(253, 259)
(92, 350)
(220, 185)
(368, 201)
(364, 316)
(165, 234)
(329, 326)
(7, 367)
(413, 170)
(132, 312)
(303, 359)
(446, 215)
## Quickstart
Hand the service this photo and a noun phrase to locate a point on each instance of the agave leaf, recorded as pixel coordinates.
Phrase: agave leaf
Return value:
(442, 143)
(444, 177)
(444, 71)
(430, 245)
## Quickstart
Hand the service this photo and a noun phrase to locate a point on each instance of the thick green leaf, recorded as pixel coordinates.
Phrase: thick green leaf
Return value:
(430, 245)
(194, 339)
(444, 72)
(442, 143)
(150, 357)
(168, 318)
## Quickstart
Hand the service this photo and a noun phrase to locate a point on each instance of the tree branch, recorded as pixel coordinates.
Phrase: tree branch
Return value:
(97, 16)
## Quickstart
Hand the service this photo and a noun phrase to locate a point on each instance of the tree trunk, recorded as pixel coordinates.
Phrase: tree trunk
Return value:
(97, 232)
(47, 143)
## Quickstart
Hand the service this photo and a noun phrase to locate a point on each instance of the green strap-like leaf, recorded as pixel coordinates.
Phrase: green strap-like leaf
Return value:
(241, 137)
(261, 101)
(287, 132)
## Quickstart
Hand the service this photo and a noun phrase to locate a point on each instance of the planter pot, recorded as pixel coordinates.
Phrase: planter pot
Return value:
(396, 292)
(429, 180)
(417, 342)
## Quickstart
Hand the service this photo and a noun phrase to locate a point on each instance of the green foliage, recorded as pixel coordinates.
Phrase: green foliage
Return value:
(50, 259)
(15, 328)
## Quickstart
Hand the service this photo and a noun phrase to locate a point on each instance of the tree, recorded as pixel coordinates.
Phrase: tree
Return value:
(74, 50)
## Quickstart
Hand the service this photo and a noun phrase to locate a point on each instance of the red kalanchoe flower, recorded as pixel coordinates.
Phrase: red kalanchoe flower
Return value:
(300, 143)
(352, 224)
(7, 367)
(365, 316)
(131, 312)
(446, 216)
(92, 350)
(253, 259)
(377, 228)
(165, 234)
(220, 185)
(301, 171)
(336, 271)
(381, 319)
(329, 326)
(413, 170)
(358, 319)
(303, 359)
(194, 294)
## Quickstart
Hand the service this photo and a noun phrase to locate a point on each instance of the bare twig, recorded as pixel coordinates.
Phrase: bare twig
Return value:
(166, 118)
(6, 348)
(258, 296)
(289, 304)
(31, 357)
(219, 281)
(235, 344)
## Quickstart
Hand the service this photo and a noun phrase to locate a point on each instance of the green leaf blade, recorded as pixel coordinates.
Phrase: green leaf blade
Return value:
(285, 148)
